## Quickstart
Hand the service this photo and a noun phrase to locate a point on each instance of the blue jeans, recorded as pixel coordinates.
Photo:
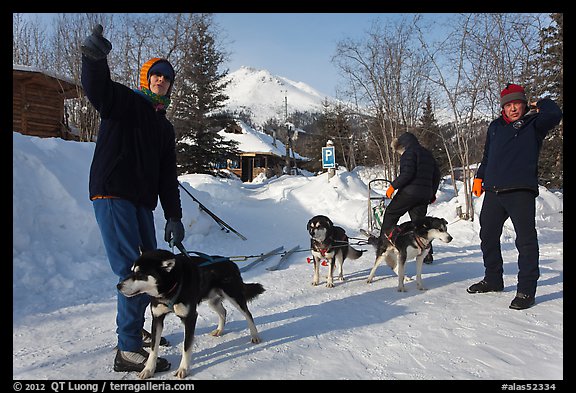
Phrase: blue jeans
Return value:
(126, 229)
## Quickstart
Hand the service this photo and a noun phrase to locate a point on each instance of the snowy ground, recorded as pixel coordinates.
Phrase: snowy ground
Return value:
(64, 292)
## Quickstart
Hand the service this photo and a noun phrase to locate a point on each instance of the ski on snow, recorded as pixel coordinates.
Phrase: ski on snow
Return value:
(261, 258)
(223, 225)
(284, 258)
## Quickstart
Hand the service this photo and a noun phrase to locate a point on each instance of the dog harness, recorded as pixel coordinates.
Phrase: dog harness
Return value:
(421, 244)
(393, 235)
(396, 231)
(344, 243)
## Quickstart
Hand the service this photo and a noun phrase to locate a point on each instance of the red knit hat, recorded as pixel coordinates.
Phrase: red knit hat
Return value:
(512, 92)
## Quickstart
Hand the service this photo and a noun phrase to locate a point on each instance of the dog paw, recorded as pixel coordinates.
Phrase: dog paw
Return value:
(369, 281)
(330, 285)
(146, 373)
(216, 332)
(422, 288)
(256, 340)
(401, 289)
(180, 373)
(314, 283)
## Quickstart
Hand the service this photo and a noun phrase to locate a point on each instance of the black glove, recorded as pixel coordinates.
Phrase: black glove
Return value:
(174, 231)
(95, 46)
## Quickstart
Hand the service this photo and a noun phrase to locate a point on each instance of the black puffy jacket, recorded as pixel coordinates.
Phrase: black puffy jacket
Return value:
(419, 173)
(511, 150)
(135, 156)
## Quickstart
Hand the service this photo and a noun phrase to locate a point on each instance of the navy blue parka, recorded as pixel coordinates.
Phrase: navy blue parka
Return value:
(419, 173)
(135, 156)
(511, 150)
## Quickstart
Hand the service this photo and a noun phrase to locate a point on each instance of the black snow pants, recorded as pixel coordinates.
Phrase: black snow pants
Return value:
(520, 207)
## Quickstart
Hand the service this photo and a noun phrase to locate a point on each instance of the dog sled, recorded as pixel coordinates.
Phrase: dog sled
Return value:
(377, 202)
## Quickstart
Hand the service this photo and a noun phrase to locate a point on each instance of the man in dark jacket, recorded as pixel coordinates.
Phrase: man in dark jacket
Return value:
(508, 173)
(417, 184)
(134, 164)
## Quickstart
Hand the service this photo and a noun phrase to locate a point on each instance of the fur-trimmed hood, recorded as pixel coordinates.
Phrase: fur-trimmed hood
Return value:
(400, 144)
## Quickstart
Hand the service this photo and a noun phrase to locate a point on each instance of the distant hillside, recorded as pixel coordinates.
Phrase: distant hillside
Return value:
(262, 95)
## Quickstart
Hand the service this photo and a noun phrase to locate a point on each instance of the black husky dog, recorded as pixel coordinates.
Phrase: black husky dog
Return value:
(329, 242)
(410, 240)
(178, 283)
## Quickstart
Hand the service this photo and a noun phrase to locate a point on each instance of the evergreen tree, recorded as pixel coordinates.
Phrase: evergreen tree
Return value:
(429, 135)
(199, 148)
(550, 81)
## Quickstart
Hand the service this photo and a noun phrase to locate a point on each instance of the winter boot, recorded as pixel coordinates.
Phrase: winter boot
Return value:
(522, 301)
(136, 361)
(483, 287)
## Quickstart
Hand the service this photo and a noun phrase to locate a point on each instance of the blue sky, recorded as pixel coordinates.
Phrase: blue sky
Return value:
(298, 46)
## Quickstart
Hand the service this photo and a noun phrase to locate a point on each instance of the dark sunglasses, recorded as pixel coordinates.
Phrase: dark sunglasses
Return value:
(157, 73)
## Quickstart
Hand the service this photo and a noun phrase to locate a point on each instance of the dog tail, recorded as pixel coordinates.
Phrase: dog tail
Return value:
(251, 290)
(373, 240)
(354, 253)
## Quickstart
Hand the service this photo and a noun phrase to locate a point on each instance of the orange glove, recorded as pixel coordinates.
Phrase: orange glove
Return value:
(477, 187)
(389, 192)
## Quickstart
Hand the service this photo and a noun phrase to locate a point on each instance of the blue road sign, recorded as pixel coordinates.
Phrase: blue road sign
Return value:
(328, 159)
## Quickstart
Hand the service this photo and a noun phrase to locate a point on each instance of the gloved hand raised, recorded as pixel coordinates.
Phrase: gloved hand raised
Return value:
(95, 46)
(174, 231)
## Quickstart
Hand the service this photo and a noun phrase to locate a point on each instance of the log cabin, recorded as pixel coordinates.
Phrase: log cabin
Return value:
(38, 102)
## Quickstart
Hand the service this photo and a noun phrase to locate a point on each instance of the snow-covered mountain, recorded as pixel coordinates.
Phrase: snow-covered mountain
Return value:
(266, 96)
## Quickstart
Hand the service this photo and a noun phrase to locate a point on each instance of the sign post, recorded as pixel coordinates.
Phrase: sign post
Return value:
(329, 158)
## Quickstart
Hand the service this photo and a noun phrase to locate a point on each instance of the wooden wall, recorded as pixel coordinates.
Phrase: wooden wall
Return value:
(38, 104)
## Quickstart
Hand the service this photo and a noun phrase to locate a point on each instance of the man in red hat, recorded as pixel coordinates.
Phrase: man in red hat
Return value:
(509, 175)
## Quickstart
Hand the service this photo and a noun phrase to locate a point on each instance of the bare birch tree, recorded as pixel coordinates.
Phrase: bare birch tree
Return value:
(479, 55)
(382, 72)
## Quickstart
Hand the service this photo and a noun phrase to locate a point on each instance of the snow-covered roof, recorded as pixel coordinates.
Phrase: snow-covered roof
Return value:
(25, 68)
(254, 141)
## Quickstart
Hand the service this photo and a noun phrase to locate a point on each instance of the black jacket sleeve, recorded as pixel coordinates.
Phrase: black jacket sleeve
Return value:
(111, 99)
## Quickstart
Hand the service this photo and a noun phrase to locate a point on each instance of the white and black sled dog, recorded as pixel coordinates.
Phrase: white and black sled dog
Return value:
(178, 283)
(409, 240)
(329, 242)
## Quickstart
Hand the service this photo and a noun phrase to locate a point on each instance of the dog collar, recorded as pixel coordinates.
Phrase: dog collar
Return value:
(177, 287)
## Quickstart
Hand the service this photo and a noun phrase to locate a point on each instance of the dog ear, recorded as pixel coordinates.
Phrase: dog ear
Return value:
(168, 264)
(330, 222)
(308, 225)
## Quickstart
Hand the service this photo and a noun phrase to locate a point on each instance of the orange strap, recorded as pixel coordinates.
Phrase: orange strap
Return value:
(102, 197)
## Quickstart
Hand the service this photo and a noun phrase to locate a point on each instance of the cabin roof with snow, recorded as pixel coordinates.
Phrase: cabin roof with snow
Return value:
(251, 141)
